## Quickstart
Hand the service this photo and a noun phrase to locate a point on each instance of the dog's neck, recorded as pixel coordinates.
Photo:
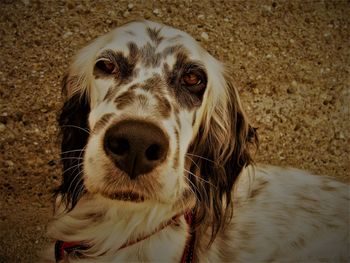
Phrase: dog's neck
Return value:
(124, 233)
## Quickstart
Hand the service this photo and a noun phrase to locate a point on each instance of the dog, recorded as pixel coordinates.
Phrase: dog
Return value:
(157, 164)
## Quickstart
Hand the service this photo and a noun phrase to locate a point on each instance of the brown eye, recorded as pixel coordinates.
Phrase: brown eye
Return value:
(106, 66)
(191, 79)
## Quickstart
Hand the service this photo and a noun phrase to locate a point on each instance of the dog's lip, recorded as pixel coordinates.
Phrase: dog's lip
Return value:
(126, 196)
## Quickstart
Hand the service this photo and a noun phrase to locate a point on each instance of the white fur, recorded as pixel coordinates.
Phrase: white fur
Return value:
(279, 214)
(292, 219)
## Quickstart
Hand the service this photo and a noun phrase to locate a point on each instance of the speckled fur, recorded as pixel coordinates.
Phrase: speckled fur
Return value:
(278, 214)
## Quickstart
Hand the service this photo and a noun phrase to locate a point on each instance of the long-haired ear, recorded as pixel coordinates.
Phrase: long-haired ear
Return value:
(73, 123)
(220, 151)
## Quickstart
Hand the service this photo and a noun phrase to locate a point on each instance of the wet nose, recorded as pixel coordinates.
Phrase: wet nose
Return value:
(136, 147)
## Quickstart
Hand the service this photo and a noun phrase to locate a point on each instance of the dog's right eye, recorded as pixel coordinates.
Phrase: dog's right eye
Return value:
(106, 66)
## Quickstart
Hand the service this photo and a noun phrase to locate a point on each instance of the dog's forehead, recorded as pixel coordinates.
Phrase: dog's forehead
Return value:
(157, 37)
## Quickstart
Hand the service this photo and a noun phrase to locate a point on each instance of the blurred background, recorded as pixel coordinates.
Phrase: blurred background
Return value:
(290, 60)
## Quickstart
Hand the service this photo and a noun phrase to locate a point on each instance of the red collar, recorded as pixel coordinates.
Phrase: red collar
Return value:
(63, 248)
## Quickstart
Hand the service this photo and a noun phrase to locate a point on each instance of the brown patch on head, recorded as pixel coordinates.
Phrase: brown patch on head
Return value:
(172, 50)
(134, 86)
(149, 56)
(124, 99)
(154, 84)
(177, 116)
(110, 94)
(102, 122)
(134, 52)
(175, 38)
(164, 106)
(258, 188)
(142, 99)
(188, 96)
(177, 151)
(154, 34)
(124, 66)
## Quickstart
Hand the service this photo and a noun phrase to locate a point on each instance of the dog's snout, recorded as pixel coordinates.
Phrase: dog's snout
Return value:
(136, 147)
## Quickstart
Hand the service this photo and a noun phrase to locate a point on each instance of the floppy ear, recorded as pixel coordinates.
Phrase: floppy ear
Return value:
(220, 151)
(73, 123)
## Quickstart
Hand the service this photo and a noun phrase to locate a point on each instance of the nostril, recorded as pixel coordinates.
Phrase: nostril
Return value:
(135, 147)
(154, 152)
(118, 146)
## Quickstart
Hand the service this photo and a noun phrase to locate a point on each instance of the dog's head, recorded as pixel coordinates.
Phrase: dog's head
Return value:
(149, 117)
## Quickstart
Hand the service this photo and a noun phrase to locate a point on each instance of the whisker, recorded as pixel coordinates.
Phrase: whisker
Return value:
(78, 150)
(74, 166)
(193, 187)
(72, 158)
(77, 184)
(201, 157)
(199, 178)
(192, 161)
(77, 176)
(74, 126)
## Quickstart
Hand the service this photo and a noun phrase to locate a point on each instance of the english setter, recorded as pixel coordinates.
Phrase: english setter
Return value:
(157, 164)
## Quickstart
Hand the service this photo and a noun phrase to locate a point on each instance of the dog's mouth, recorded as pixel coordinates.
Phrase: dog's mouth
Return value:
(126, 196)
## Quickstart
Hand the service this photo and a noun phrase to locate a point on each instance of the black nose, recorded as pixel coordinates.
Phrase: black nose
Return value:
(136, 147)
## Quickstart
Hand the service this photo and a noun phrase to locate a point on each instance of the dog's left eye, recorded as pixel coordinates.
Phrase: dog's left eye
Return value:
(191, 79)
(106, 66)
(194, 82)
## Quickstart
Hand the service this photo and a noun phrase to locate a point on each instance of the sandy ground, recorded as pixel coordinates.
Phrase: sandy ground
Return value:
(290, 60)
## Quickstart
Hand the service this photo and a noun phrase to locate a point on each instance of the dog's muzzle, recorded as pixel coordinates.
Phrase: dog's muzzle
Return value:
(136, 147)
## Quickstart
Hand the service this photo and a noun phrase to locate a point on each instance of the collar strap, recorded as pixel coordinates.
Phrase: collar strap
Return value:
(188, 254)
(63, 248)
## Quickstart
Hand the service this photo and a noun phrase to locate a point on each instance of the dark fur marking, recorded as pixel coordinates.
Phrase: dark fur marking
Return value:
(172, 50)
(149, 56)
(257, 189)
(154, 34)
(92, 216)
(194, 117)
(310, 210)
(125, 65)
(175, 38)
(222, 164)
(142, 99)
(154, 84)
(326, 186)
(164, 106)
(73, 122)
(134, 86)
(304, 198)
(124, 99)
(299, 243)
(102, 122)
(177, 151)
(177, 116)
(110, 94)
(134, 53)
(184, 96)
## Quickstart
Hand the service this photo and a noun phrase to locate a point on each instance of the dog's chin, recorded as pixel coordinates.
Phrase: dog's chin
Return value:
(133, 197)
